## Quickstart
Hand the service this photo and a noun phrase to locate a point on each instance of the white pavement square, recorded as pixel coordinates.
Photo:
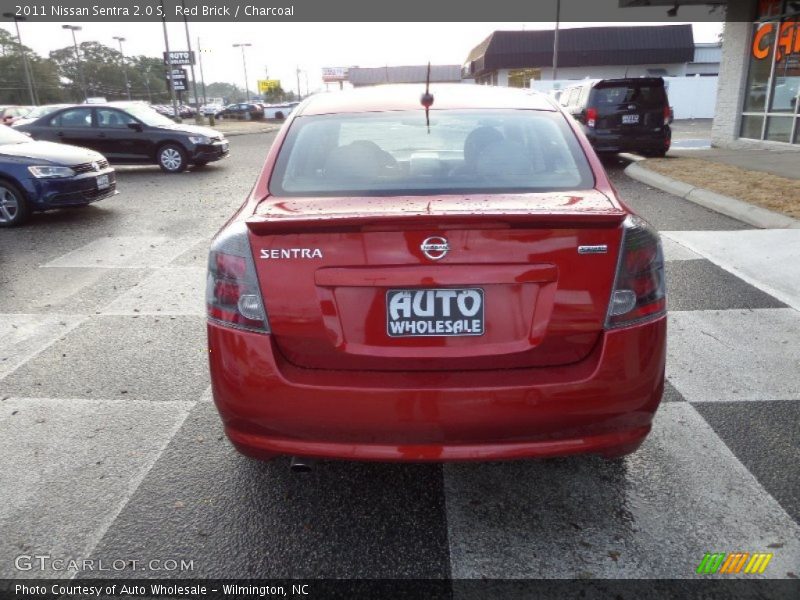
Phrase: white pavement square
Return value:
(23, 336)
(766, 258)
(675, 251)
(167, 291)
(126, 252)
(68, 468)
(654, 515)
(732, 355)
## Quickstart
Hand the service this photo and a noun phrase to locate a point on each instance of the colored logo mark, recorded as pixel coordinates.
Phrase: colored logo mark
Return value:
(736, 562)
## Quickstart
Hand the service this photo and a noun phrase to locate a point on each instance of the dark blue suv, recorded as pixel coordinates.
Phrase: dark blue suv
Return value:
(37, 176)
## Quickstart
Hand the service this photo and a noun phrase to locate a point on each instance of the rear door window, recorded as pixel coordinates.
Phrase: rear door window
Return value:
(644, 95)
(74, 117)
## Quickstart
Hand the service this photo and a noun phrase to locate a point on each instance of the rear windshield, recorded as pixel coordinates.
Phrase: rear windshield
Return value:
(390, 153)
(646, 95)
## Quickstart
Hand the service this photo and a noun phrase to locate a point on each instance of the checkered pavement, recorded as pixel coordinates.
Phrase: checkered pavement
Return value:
(112, 449)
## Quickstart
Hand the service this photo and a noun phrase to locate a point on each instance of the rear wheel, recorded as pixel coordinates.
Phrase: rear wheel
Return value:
(171, 158)
(279, 115)
(14, 209)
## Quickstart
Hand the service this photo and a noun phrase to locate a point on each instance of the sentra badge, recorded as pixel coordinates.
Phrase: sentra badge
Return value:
(277, 253)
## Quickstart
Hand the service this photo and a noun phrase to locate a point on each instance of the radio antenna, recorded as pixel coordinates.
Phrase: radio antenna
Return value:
(427, 98)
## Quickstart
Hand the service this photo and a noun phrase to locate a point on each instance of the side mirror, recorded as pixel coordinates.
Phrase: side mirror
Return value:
(136, 126)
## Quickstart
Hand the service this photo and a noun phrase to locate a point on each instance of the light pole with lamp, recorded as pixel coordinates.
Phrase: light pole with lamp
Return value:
(73, 29)
(244, 64)
(28, 73)
(124, 68)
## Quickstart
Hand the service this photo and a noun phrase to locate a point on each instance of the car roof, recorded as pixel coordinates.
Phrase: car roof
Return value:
(407, 97)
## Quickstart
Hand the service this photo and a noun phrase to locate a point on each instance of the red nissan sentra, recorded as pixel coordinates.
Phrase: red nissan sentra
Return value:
(461, 283)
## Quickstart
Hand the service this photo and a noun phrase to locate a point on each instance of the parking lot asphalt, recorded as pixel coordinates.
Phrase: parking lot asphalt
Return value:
(112, 448)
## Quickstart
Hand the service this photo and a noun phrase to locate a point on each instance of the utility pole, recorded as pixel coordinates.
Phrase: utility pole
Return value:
(244, 64)
(189, 48)
(27, 67)
(299, 94)
(203, 77)
(555, 40)
(170, 84)
(124, 68)
(73, 29)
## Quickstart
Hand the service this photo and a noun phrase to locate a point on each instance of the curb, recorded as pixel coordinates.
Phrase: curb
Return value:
(731, 207)
(234, 133)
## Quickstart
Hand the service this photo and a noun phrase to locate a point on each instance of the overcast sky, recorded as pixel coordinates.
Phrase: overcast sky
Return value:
(280, 48)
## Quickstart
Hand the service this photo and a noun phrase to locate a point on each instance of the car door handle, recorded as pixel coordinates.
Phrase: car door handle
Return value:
(60, 134)
(101, 135)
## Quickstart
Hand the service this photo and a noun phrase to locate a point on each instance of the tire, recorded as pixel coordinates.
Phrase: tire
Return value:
(279, 115)
(655, 153)
(200, 164)
(14, 208)
(171, 158)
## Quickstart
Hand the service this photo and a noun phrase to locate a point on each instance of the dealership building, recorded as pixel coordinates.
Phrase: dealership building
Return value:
(759, 76)
(759, 83)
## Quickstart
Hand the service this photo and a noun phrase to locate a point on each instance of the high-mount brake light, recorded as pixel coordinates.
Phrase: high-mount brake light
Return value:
(639, 287)
(232, 294)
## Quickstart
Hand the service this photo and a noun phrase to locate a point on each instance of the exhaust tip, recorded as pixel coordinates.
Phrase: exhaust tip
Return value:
(299, 464)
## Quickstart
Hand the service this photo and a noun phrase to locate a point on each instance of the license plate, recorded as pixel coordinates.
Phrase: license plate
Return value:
(103, 182)
(630, 119)
(434, 312)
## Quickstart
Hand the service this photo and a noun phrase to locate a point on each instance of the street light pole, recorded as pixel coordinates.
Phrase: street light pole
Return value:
(189, 48)
(124, 68)
(202, 77)
(555, 40)
(168, 70)
(299, 94)
(73, 29)
(244, 64)
(27, 67)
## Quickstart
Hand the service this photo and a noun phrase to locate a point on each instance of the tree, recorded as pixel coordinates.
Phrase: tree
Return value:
(228, 91)
(13, 81)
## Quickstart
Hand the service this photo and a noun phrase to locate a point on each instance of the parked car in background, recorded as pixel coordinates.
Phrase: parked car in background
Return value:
(9, 114)
(468, 286)
(279, 111)
(131, 133)
(243, 110)
(37, 176)
(37, 112)
(212, 109)
(622, 115)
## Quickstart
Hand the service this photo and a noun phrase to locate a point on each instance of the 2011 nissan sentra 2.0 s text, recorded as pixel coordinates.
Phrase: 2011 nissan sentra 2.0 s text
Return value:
(459, 283)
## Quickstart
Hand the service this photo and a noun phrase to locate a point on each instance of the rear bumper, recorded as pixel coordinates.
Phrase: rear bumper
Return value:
(626, 142)
(603, 404)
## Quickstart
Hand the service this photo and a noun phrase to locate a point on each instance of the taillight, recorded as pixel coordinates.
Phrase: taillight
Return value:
(639, 288)
(232, 293)
(591, 117)
(667, 115)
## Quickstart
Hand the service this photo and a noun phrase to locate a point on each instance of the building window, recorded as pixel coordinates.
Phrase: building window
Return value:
(772, 93)
(521, 78)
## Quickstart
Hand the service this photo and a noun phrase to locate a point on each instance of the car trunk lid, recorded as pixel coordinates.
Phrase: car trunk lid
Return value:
(527, 276)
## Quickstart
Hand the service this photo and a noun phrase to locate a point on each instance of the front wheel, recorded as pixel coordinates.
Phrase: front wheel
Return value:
(14, 209)
(171, 158)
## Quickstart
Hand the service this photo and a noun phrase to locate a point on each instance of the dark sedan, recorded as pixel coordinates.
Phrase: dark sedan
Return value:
(37, 176)
(131, 133)
(243, 110)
